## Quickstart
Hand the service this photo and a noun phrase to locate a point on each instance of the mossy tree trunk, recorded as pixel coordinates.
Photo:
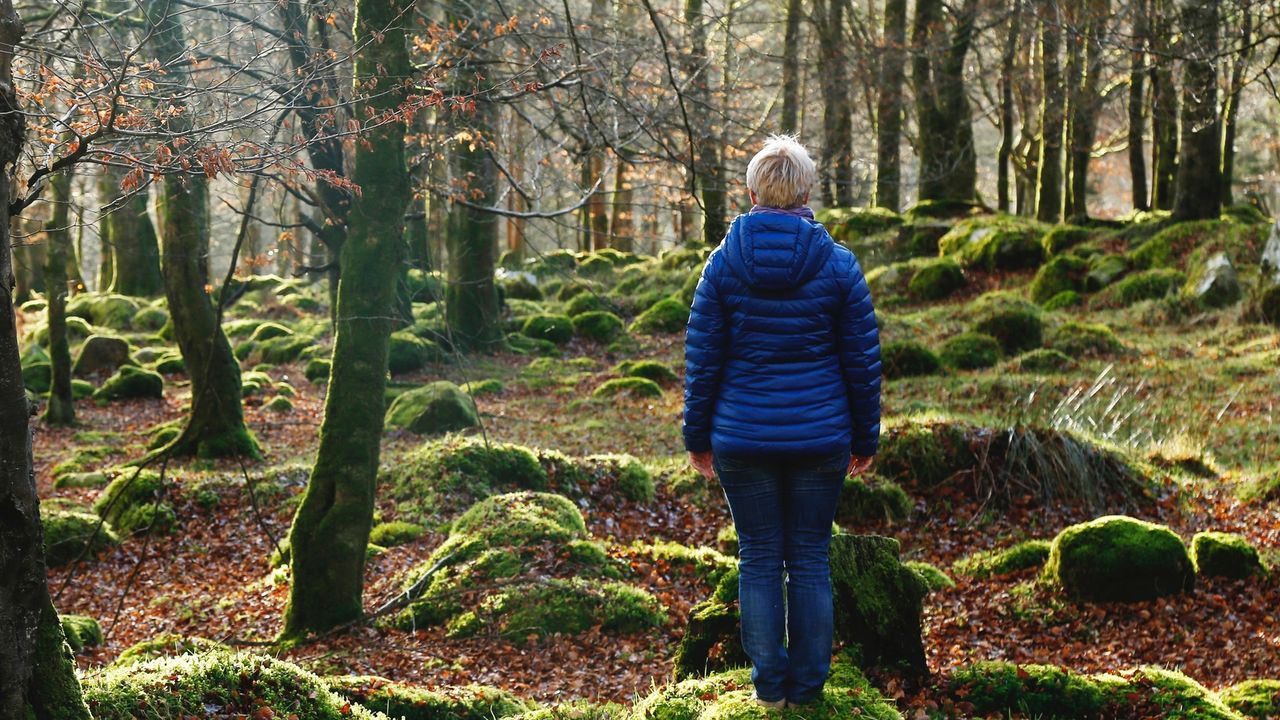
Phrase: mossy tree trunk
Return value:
(1232, 104)
(1008, 58)
(948, 163)
(1085, 100)
(37, 676)
(791, 68)
(331, 528)
(1164, 108)
(836, 170)
(889, 106)
(707, 160)
(215, 425)
(620, 225)
(1137, 116)
(128, 230)
(1049, 183)
(60, 409)
(878, 603)
(1198, 194)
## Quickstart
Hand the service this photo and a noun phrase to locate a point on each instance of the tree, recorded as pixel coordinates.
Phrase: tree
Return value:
(61, 409)
(1089, 33)
(331, 528)
(131, 251)
(1231, 109)
(708, 177)
(1049, 183)
(791, 67)
(1199, 181)
(948, 161)
(889, 106)
(1008, 57)
(1164, 107)
(215, 425)
(37, 674)
(1137, 117)
(836, 168)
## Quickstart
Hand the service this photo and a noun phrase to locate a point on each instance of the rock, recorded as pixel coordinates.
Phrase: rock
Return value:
(1118, 558)
(81, 631)
(1216, 284)
(1014, 323)
(1225, 555)
(408, 352)
(1104, 270)
(668, 315)
(37, 377)
(100, 353)
(878, 603)
(413, 702)
(132, 382)
(547, 326)
(597, 325)
(436, 408)
(134, 503)
(268, 331)
(714, 624)
(1076, 339)
(936, 279)
(908, 358)
(1271, 254)
(1060, 274)
(628, 387)
(70, 535)
(970, 351)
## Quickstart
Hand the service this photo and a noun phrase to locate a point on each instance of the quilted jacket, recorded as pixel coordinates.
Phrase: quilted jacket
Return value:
(782, 353)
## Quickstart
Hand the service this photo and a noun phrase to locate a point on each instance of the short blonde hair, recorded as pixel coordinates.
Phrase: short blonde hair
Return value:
(781, 173)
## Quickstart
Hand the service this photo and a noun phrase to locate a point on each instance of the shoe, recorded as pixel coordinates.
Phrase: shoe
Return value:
(771, 704)
(804, 707)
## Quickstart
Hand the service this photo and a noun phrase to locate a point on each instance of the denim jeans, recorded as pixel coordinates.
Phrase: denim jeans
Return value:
(783, 507)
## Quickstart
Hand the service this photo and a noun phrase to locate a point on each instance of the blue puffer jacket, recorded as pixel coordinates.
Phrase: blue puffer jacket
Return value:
(782, 354)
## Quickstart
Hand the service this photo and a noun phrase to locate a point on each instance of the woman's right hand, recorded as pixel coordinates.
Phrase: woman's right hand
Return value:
(701, 461)
(858, 465)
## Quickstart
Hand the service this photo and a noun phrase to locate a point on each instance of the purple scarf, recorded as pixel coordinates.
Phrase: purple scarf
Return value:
(804, 211)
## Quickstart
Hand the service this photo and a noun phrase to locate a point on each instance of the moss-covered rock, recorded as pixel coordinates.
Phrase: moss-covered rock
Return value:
(970, 351)
(728, 696)
(1000, 242)
(107, 310)
(668, 315)
(571, 605)
(70, 535)
(936, 279)
(1151, 284)
(392, 534)
(37, 377)
(1253, 698)
(578, 710)
(654, 370)
(518, 287)
(1213, 282)
(944, 208)
(81, 480)
(1063, 237)
(931, 575)
(317, 370)
(878, 603)
(1042, 361)
(636, 387)
(1020, 556)
(1105, 270)
(849, 223)
(872, 498)
(1267, 305)
(1226, 555)
(411, 702)
(454, 472)
(1015, 323)
(1062, 301)
(584, 302)
(908, 358)
(81, 631)
(598, 325)
(1119, 558)
(170, 364)
(166, 645)
(407, 352)
(100, 353)
(1078, 339)
(269, 331)
(134, 502)
(1060, 274)
(131, 382)
(237, 684)
(435, 408)
(552, 328)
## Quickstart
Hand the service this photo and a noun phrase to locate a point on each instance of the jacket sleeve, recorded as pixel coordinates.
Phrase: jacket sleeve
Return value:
(859, 347)
(705, 341)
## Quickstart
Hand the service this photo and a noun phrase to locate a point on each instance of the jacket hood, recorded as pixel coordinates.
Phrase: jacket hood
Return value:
(770, 251)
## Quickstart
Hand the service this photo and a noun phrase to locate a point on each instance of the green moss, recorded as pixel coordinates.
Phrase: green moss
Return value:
(1001, 242)
(80, 480)
(170, 364)
(681, 257)
(164, 646)
(628, 476)
(570, 606)
(435, 408)
(636, 387)
(908, 358)
(37, 377)
(1043, 361)
(134, 502)
(970, 351)
(407, 352)
(238, 684)
(878, 616)
(1253, 698)
(1062, 273)
(255, 383)
(1062, 301)
(410, 702)
(553, 328)
(1077, 339)
(847, 224)
(936, 279)
(658, 372)
(1225, 555)
(519, 287)
(1015, 323)
(1042, 691)
(668, 315)
(281, 350)
(268, 331)
(580, 710)
(69, 534)
(1266, 307)
(1063, 237)
(81, 631)
(131, 382)
(488, 386)
(943, 209)
(924, 451)
(1178, 697)
(104, 309)
(391, 534)
(457, 471)
(872, 499)
(1023, 555)
(584, 302)
(1245, 213)
(932, 577)
(597, 325)
(1212, 281)
(1145, 285)
(317, 370)
(1105, 270)
(1118, 558)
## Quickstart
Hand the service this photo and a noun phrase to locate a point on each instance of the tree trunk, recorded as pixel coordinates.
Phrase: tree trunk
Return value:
(37, 675)
(1164, 108)
(620, 226)
(836, 170)
(134, 251)
(708, 176)
(948, 163)
(1232, 109)
(215, 427)
(1049, 183)
(60, 409)
(331, 529)
(1085, 103)
(791, 68)
(1137, 118)
(1008, 58)
(1199, 181)
(889, 106)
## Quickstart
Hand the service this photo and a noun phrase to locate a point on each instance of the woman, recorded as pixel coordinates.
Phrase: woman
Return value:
(782, 400)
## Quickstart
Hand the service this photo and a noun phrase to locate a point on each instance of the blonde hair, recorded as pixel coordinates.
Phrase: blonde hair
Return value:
(781, 173)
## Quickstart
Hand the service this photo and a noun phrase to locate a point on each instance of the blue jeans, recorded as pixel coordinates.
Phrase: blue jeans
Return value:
(783, 507)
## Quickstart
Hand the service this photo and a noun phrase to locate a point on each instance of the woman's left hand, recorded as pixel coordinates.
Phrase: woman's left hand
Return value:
(701, 461)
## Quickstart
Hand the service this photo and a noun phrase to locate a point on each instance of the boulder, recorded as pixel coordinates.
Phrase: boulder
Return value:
(970, 351)
(81, 631)
(1215, 284)
(100, 353)
(1225, 555)
(70, 535)
(132, 382)
(1116, 558)
(438, 407)
(878, 603)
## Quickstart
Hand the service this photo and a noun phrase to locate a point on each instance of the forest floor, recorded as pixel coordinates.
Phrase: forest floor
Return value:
(1186, 383)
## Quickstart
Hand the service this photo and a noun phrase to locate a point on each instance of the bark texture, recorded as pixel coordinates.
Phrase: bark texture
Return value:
(129, 240)
(948, 163)
(331, 528)
(1137, 117)
(889, 106)
(1052, 112)
(1199, 181)
(60, 409)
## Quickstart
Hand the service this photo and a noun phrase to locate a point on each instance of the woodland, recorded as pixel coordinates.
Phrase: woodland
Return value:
(341, 354)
